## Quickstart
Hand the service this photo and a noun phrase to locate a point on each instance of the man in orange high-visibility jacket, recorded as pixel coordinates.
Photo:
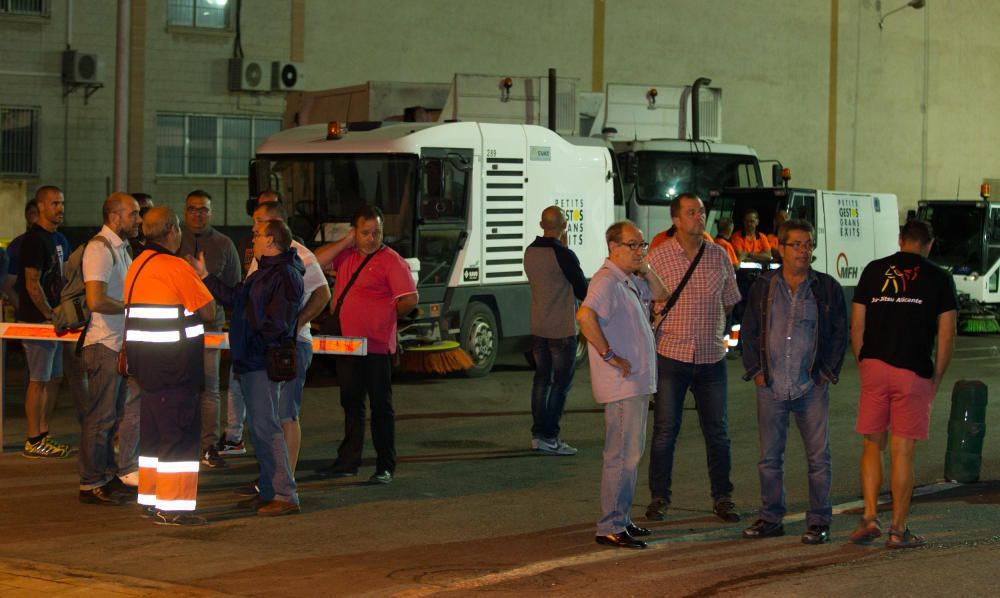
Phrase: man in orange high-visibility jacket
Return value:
(166, 306)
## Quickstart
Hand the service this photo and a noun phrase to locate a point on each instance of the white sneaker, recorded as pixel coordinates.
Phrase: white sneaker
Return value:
(554, 446)
(130, 479)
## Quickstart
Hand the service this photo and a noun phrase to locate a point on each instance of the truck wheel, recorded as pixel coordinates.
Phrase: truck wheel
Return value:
(480, 339)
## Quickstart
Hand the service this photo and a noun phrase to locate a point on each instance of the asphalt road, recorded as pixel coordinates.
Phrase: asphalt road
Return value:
(473, 509)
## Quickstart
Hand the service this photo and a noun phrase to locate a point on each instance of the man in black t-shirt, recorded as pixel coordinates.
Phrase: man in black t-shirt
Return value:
(901, 304)
(39, 283)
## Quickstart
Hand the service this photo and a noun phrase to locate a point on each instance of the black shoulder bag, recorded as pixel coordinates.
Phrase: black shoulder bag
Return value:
(331, 326)
(677, 292)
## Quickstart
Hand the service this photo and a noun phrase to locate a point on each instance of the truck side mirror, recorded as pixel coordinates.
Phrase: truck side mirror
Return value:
(776, 180)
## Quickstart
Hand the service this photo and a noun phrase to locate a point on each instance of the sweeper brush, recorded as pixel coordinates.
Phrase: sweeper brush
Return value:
(442, 357)
(979, 324)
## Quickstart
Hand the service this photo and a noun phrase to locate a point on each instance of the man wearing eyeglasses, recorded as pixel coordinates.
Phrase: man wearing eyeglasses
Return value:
(795, 336)
(222, 260)
(615, 320)
(691, 355)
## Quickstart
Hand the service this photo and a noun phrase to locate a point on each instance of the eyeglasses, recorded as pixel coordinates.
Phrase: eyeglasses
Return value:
(635, 245)
(197, 210)
(798, 245)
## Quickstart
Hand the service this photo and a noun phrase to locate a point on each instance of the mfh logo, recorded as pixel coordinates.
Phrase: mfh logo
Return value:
(845, 270)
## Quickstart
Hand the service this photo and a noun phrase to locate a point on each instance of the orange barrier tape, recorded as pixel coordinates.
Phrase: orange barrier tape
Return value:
(322, 345)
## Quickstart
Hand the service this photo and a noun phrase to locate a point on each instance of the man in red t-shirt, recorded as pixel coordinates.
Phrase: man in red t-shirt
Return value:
(377, 296)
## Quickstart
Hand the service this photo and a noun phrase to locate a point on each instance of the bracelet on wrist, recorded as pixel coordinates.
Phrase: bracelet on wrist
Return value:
(608, 355)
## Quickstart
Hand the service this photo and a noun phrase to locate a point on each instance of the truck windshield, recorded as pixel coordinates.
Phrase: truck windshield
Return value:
(662, 176)
(958, 236)
(323, 192)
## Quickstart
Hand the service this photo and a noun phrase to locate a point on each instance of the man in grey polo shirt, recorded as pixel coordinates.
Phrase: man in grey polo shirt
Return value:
(556, 282)
(615, 319)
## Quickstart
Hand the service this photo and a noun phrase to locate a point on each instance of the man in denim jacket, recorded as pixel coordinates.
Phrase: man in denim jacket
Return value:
(795, 336)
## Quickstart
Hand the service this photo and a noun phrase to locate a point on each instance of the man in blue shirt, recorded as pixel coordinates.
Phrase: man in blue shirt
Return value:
(614, 318)
(795, 335)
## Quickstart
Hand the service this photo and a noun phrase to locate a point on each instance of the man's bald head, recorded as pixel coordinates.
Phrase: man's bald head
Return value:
(553, 221)
(115, 202)
(268, 197)
(158, 223)
(270, 210)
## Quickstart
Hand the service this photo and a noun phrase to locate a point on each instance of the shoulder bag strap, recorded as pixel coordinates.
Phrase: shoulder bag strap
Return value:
(350, 283)
(131, 287)
(680, 287)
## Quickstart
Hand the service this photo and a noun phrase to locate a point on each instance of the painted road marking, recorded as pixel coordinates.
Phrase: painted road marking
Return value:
(615, 554)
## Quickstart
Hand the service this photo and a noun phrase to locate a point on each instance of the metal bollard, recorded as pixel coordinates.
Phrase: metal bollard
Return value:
(966, 429)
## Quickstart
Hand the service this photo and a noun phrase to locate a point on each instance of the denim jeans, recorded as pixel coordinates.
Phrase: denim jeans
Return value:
(370, 375)
(261, 395)
(236, 409)
(709, 386)
(555, 362)
(290, 402)
(811, 417)
(624, 439)
(210, 400)
(128, 429)
(99, 409)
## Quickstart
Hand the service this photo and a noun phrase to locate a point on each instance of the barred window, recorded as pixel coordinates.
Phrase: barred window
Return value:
(209, 145)
(38, 8)
(206, 14)
(18, 140)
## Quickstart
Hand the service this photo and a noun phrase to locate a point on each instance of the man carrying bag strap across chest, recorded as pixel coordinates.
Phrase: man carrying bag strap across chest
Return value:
(691, 355)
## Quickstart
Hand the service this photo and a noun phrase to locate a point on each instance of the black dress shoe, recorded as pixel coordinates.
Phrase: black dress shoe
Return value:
(120, 488)
(816, 534)
(99, 496)
(336, 471)
(635, 531)
(620, 540)
(764, 529)
(725, 509)
(657, 510)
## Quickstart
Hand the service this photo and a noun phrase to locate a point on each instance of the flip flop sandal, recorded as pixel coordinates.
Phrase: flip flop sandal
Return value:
(904, 539)
(867, 531)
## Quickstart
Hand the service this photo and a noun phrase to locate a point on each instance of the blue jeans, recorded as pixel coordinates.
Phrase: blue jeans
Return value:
(261, 395)
(290, 402)
(555, 362)
(211, 398)
(709, 386)
(811, 417)
(99, 409)
(128, 428)
(624, 439)
(236, 409)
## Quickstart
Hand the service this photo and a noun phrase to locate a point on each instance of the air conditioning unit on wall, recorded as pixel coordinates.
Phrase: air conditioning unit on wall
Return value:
(81, 68)
(246, 74)
(286, 76)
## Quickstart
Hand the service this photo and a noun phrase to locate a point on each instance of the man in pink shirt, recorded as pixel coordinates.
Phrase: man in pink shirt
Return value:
(373, 289)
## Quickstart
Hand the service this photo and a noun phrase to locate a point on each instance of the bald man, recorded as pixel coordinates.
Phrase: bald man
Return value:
(102, 407)
(557, 282)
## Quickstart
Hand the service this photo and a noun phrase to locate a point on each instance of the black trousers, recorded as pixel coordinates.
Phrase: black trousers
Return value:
(370, 375)
(170, 425)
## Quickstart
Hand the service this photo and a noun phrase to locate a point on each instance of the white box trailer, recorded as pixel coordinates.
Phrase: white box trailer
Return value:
(461, 200)
(852, 229)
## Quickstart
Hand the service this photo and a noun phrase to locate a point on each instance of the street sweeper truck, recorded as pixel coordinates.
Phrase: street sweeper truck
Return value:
(462, 201)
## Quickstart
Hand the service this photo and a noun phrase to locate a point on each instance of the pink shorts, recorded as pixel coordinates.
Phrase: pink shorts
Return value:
(895, 399)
